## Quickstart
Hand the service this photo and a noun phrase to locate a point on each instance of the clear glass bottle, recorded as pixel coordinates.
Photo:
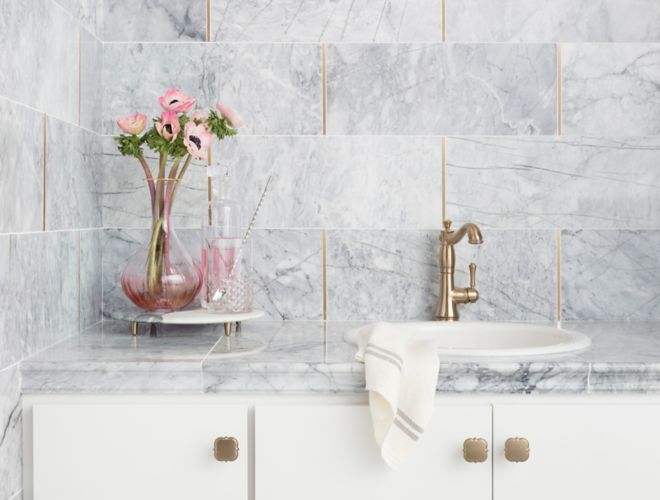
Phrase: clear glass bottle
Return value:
(225, 212)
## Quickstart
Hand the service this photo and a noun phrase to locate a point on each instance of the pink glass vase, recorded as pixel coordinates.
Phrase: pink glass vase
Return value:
(162, 276)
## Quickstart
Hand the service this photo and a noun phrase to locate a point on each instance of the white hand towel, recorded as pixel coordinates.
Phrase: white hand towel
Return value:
(402, 375)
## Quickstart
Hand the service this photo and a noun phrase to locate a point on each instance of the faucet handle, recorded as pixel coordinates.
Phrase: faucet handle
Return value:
(473, 271)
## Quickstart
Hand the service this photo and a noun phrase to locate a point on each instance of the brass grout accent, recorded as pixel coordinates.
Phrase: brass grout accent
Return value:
(45, 150)
(558, 239)
(444, 177)
(325, 93)
(444, 14)
(559, 90)
(325, 274)
(208, 20)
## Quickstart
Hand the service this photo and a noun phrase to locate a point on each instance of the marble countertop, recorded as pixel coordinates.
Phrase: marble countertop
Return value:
(313, 356)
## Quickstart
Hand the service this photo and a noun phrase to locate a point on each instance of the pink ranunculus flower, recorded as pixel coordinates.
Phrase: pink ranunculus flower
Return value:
(168, 126)
(199, 116)
(133, 124)
(176, 100)
(197, 140)
(230, 115)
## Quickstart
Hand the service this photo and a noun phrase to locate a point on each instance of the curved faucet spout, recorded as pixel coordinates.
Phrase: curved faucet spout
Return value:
(472, 231)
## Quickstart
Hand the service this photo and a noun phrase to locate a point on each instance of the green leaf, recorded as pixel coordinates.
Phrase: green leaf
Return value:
(129, 145)
(219, 126)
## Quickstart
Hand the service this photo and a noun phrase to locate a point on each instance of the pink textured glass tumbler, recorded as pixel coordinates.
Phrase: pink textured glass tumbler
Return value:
(227, 270)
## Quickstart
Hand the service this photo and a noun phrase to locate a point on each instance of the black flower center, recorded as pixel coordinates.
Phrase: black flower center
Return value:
(196, 140)
(174, 101)
(168, 128)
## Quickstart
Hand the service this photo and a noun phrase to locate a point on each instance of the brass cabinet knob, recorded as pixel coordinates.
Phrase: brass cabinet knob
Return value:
(516, 449)
(225, 449)
(475, 450)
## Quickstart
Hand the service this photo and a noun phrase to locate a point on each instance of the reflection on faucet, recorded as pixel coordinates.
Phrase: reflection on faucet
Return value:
(449, 296)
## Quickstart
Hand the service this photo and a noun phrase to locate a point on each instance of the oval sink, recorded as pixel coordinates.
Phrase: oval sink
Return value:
(493, 339)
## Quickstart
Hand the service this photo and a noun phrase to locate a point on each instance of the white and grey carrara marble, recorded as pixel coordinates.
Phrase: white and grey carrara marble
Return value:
(91, 74)
(154, 20)
(339, 182)
(277, 88)
(38, 55)
(611, 89)
(74, 177)
(550, 182)
(610, 275)
(89, 13)
(91, 277)
(326, 20)
(559, 20)
(407, 89)
(21, 168)
(11, 420)
(314, 357)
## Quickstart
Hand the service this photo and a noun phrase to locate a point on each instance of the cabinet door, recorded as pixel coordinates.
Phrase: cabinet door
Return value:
(111, 452)
(581, 452)
(328, 452)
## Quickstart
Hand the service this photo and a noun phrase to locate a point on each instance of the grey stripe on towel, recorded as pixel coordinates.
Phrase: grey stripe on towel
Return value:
(413, 425)
(405, 430)
(383, 357)
(386, 351)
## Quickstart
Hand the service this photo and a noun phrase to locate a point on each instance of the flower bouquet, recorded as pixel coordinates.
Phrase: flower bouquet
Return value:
(162, 276)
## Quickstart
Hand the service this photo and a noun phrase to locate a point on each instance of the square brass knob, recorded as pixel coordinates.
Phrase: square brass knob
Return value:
(225, 449)
(516, 449)
(475, 450)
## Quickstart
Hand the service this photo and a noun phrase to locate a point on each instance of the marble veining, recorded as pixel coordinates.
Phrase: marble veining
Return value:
(91, 277)
(559, 20)
(326, 20)
(11, 418)
(610, 275)
(126, 197)
(288, 273)
(567, 182)
(38, 292)
(504, 89)
(154, 20)
(91, 74)
(88, 13)
(38, 57)
(276, 87)
(73, 177)
(313, 356)
(21, 167)
(611, 89)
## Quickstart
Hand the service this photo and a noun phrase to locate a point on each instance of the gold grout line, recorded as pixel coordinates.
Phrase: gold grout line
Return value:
(325, 274)
(559, 90)
(208, 20)
(558, 239)
(325, 93)
(444, 178)
(45, 150)
(444, 13)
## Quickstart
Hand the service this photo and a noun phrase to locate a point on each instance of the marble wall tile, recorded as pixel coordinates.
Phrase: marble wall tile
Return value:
(339, 182)
(91, 277)
(610, 275)
(89, 13)
(503, 89)
(277, 88)
(516, 275)
(126, 197)
(154, 20)
(393, 275)
(11, 420)
(21, 167)
(576, 182)
(559, 20)
(288, 273)
(611, 89)
(326, 20)
(73, 177)
(38, 292)
(91, 92)
(39, 57)
(386, 275)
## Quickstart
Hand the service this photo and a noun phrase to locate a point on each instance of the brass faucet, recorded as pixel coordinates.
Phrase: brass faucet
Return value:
(449, 296)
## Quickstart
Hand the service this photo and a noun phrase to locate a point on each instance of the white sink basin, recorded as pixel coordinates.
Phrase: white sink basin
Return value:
(493, 339)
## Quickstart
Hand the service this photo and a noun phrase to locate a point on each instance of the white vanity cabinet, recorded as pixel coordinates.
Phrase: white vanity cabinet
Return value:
(100, 451)
(327, 452)
(322, 447)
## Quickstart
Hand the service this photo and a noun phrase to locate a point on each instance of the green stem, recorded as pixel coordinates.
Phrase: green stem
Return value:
(153, 269)
(180, 176)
